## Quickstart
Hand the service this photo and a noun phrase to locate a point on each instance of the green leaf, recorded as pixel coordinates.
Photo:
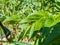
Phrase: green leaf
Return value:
(20, 43)
(58, 3)
(26, 31)
(2, 18)
(37, 42)
(45, 31)
(31, 31)
(57, 0)
(31, 18)
(39, 24)
(13, 19)
(49, 22)
(53, 36)
(57, 18)
(21, 35)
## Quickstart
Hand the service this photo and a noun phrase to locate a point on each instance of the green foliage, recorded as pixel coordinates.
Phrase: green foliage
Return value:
(45, 25)
(13, 19)
(39, 20)
(20, 43)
